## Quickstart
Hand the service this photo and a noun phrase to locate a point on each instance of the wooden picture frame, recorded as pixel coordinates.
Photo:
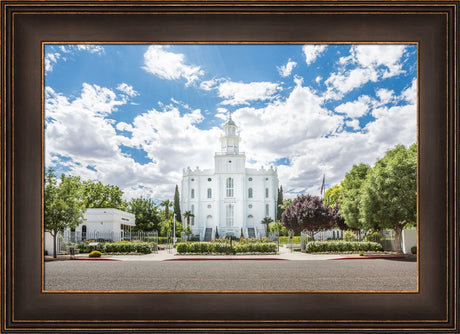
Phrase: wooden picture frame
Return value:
(28, 24)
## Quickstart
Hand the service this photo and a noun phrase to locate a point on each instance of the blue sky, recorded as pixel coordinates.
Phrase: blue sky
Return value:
(136, 115)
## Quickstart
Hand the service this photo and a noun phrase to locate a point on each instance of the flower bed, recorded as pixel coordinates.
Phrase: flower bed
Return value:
(342, 246)
(226, 248)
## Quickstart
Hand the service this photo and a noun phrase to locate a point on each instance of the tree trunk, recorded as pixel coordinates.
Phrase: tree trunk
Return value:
(54, 244)
(398, 232)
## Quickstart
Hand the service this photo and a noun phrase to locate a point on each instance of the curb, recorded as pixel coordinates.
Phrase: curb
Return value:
(91, 259)
(369, 257)
(226, 259)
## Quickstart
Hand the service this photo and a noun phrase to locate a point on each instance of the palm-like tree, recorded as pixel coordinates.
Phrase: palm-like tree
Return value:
(187, 215)
(267, 221)
(166, 204)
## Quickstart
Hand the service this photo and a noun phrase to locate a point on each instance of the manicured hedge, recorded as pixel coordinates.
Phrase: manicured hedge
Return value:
(118, 247)
(225, 248)
(342, 246)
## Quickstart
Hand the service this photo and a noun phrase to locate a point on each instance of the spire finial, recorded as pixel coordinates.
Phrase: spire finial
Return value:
(229, 115)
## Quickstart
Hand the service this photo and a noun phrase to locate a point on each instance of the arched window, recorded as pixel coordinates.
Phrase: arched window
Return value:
(250, 193)
(192, 193)
(267, 210)
(230, 214)
(209, 193)
(83, 232)
(229, 187)
(266, 192)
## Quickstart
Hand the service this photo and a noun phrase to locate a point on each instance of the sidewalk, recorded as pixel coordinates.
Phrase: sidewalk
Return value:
(165, 255)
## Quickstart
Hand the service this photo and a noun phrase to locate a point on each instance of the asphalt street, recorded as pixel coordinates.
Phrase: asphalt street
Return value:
(303, 275)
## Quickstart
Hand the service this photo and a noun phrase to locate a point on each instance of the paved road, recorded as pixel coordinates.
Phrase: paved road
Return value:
(375, 274)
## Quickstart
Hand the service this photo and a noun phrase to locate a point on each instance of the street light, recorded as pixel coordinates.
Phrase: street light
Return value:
(174, 233)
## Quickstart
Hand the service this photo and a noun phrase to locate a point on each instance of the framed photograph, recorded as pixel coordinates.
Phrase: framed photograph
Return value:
(38, 36)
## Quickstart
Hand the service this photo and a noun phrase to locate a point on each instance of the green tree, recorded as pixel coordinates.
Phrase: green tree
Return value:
(278, 227)
(146, 214)
(266, 221)
(166, 204)
(351, 195)
(279, 210)
(187, 215)
(389, 198)
(98, 195)
(332, 196)
(177, 205)
(64, 204)
(284, 205)
(168, 225)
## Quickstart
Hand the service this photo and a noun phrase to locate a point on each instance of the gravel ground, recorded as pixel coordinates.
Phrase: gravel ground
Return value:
(376, 275)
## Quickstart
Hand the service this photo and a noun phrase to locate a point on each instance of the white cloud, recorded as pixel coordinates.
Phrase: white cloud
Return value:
(410, 94)
(50, 60)
(318, 79)
(98, 49)
(369, 63)
(355, 109)
(345, 82)
(312, 52)
(169, 65)
(317, 141)
(127, 89)
(209, 85)
(236, 93)
(283, 127)
(81, 137)
(354, 124)
(285, 70)
(52, 57)
(385, 95)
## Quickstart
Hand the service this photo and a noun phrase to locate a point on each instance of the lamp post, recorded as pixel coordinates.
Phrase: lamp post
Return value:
(174, 233)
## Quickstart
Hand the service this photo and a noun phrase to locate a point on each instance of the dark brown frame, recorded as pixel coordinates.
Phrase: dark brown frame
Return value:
(26, 24)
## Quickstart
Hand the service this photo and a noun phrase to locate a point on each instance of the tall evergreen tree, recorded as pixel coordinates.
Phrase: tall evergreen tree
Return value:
(279, 203)
(177, 205)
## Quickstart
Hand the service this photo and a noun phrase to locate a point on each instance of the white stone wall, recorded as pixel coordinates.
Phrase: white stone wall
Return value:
(408, 240)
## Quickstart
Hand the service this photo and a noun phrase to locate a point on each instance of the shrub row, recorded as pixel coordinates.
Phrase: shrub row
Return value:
(342, 246)
(118, 247)
(225, 248)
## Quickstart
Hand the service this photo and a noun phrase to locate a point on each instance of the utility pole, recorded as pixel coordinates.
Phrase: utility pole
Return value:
(174, 233)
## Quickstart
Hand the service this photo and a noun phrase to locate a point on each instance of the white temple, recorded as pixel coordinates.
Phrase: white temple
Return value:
(230, 198)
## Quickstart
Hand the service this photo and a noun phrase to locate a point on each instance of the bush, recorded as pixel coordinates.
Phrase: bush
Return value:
(349, 236)
(413, 250)
(224, 247)
(374, 237)
(342, 246)
(95, 254)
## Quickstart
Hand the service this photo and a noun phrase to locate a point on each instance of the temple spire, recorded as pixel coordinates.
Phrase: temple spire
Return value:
(230, 140)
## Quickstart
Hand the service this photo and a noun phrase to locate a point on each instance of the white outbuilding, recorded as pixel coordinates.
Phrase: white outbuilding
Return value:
(102, 223)
(230, 199)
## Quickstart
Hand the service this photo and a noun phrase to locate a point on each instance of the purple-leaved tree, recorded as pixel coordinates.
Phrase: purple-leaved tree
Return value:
(308, 213)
